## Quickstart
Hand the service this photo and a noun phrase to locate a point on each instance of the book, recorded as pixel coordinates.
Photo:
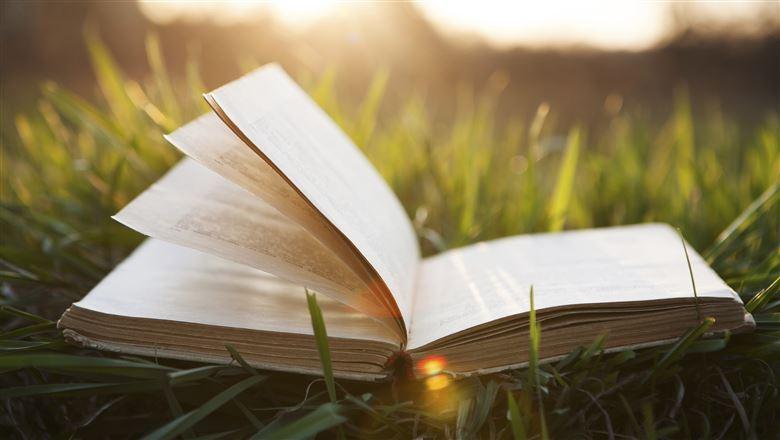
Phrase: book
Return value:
(273, 198)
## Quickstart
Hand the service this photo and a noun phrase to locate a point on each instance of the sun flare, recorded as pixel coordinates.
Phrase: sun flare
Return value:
(291, 12)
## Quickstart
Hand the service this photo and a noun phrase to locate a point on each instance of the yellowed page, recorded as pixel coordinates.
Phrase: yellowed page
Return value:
(194, 207)
(269, 111)
(212, 144)
(477, 284)
(165, 281)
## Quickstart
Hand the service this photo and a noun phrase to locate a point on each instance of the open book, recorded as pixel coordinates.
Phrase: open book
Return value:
(274, 197)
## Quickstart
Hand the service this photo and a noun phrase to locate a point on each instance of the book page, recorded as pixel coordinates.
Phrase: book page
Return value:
(169, 282)
(276, 118)
(212, 144)
(194, 207)
(477, 284)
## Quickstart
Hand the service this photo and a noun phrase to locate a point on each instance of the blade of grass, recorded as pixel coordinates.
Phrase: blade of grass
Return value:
(735, 400)
(326, 416)
(238, 358)
(181, 424)
(690, 271)
(679, 349)
(179, 377)
(174, 405)
(84, 363)
(515, 418)
(740, 223)
(8, 310)
(763, 297)
(534, 342)
(535, 335)
(321, 337)
(564, 186)
(29, 330)
(482, 408)
(78, 389)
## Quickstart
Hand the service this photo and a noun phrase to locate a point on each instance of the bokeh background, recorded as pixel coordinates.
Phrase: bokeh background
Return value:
(488, 119)
(583, 59)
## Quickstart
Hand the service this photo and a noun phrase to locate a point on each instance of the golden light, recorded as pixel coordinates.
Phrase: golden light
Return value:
(432, 365)
(614, 24)
(608, 23)
(230, 11)
(300, 10)
(437, 382)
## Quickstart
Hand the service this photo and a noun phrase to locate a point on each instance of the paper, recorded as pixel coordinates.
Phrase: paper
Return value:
(169, 282)
(312, 153)
(477, 284)
(212, 144)
(191, 206)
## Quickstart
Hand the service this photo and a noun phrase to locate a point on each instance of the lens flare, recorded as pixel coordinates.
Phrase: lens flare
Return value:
(432, 365)
(437, 382)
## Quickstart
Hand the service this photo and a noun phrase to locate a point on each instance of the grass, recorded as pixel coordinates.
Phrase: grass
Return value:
(71, 163)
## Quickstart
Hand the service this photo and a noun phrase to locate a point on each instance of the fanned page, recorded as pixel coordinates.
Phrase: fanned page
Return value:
(212, 144)
(281, 123)
(464, 288)
(194, 207)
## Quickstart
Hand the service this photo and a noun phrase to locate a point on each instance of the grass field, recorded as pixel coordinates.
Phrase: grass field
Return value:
(69, 164)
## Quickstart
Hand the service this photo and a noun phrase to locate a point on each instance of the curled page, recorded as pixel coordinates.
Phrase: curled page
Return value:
(212, 144)
(194, 207)
(280, 122)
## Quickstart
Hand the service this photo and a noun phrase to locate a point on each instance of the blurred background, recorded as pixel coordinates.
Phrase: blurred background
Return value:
(583, 59)
(488, 119)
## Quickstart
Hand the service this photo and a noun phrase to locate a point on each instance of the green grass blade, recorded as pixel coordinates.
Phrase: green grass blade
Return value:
(111, 82)
(219, 435)
(170, 104)
(182, 376)
(741, 222)
(12, 311)
(78, 110)
(321, 337)
(174, 405)
(325, 417)
(564, 186)
(535, 335)
(181, 424)
(84, 363)
(690, 271)
(238, 358)
(679, 349)
(462, 421)
(515, 418)
(763, 297)
(16, 346)
(535, 339)
(29, 330)
(366, 119)
(79, 389)
(483, 405)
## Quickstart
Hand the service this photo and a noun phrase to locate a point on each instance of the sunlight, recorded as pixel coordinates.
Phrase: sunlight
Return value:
(618, 24)
(300, 11)
(438, 382)
(432, 365)
(291, 12)
(610, 24)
